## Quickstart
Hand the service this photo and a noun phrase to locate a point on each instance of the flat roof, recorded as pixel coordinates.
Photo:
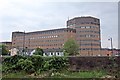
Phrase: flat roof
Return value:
(46, 30)
(82, 17)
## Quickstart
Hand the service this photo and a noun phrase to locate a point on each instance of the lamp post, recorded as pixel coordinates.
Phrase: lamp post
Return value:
(111, 45)
(23, 42)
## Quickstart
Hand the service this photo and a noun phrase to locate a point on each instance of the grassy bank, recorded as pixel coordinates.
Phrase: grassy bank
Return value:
(61, 74)
(80, 74)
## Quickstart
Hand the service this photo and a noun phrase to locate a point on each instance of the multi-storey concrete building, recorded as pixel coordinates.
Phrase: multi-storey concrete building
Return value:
(49, 40)
(87, 34)
(85, 30)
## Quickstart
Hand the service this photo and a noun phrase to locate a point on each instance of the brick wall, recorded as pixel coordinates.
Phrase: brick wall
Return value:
(89, 63)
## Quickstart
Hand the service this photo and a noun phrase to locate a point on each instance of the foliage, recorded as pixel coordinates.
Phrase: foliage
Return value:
(38, 51)
(70, 47)
(54, 66)
(13, 59)
(9, 63)
(37, 61)
(56, 63)
(4, 50)
(25, 65)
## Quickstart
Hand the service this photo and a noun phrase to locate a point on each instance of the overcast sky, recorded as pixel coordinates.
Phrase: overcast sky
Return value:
(34, 15)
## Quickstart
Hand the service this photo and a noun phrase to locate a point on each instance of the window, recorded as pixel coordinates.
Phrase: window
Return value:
(87, 26)
(92, 26)
(95, 20)
(87, 35)
(51, 53)
(82, 27)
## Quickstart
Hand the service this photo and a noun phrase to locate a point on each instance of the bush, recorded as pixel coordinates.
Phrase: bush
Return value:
(13, 59)
(38, 51)
(9, 63)
(25, 65)
(37, 61)
(55, 63)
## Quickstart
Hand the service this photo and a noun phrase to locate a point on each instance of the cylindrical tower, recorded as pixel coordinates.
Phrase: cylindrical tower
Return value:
(87, 34)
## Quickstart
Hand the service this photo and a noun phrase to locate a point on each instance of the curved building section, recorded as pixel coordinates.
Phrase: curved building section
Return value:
(87, 34)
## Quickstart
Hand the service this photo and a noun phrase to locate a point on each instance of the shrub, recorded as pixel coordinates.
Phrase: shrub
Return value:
(38, 51)
(13, 59)
(55, 63)
(9, 63)
(37, 61)
(25, 65)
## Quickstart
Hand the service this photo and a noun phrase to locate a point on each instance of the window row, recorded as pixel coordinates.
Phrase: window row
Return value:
(55, 36)
(89, 36)
(43, 45)
(39, 32)
(87, 27)
(90, 44)
(90, 23)
(40, 45)
(59, 40)
(89, 31)
(46, 32)
(90, 49)
(89, 41)
(74, 23)
(54, 54)
(40, 41)
(45, 37)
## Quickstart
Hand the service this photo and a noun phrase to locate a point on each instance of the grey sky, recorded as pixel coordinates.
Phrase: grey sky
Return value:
(33, 15)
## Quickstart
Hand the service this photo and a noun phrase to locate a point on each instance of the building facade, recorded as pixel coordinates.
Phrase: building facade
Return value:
(85, 30)
(87, 34)
(51, 41)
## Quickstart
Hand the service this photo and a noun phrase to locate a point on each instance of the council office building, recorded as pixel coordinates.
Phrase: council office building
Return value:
(85, 30)
(51, 41)
(87, 34)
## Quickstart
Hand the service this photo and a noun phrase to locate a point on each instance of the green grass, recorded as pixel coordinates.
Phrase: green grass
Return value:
(15, 75)
(0, 67)
(86, 74)
(61, 74)
(0, 70)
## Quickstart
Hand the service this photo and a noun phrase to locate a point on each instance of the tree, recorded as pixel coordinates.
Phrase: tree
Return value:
(38, 51)
(70, 47)
(4, 50)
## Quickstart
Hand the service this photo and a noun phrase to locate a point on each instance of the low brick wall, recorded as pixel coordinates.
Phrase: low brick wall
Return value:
(89, 63)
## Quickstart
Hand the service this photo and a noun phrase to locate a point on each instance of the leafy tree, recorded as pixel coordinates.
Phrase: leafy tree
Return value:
(4, 50)
(38, 51)
(70, 47)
